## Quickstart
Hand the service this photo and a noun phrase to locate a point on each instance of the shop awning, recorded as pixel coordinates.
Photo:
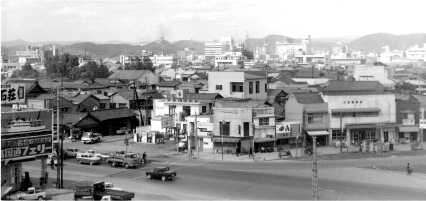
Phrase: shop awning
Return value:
(316, 133)
(408, 129)
(261, 140)
(226, 139)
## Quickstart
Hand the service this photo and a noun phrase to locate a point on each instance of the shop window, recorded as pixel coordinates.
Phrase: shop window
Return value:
(237, 86)
(337, 134)
(218, 87)
(264, 121)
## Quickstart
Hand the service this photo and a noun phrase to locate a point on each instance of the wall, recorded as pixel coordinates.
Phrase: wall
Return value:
(386, 103)
(293, 110)
(262, 95)
(225, 79)
(236, 117)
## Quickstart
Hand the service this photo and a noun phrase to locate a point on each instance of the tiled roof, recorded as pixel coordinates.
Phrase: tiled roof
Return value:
(202, 96)
(272, 94)
(128, 74)
(103, 115)
(172, 83)
(308, 98)
(72, 118)
(80, 98)
(350, 87)
(29, 84)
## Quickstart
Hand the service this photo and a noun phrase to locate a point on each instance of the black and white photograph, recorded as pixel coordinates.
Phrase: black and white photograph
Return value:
(213, 100)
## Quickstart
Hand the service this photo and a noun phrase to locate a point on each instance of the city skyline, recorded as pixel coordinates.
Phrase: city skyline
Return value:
(136, 20)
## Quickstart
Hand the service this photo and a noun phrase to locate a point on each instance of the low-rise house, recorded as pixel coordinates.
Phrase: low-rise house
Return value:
(407, 118)
(144, 79)
(240, 123)
(277, 98)
(311, 111)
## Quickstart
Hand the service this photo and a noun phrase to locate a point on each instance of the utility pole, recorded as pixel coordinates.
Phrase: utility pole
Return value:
(196, 136)
(315, 193)
(221, 134)
(189, 144)
(58, 173)
(62, 140)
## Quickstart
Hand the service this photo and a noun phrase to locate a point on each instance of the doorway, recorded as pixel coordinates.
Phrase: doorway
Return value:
(246, 128)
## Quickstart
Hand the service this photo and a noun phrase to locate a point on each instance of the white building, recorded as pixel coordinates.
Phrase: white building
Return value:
(373, 73)
(30, 55)
(286, 51)
(416, 53)
(229, 59)
(363, 110)
(212, 49)
(7, 69)
(161, 60)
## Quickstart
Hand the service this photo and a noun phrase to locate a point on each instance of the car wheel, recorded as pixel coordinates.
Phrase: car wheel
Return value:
(126, 166)
(20, 198)
(91, 163)
(113, 164)
(163, 178)
(40, 198)
(149, 176)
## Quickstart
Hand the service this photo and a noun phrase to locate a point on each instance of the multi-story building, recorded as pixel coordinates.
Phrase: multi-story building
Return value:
(239, 84)
(373, 73)
(229, 59)
(212, 49)
(360, 111)
(416, 53)
(161, 60)
(130, 59)
(30, 55)
(407, 116)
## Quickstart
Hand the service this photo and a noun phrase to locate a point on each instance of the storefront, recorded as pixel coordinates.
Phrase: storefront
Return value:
(408, 134)
(357, 134)
(287, 134)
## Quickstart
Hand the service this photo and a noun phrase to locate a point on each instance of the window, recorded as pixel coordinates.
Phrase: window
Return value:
(224, 128)
(102, 105)
(266, 88)
(203, 109)
(186, 110)
(264, 121)
(336, 134)
(257, 86)
(250, 87)
(172, 110)
(314, 118)
(122, 105)
(218, 87)
(237, 86)
(112, 105)
(239, 129)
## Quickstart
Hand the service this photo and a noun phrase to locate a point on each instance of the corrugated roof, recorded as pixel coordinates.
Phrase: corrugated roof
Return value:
(308, 98)
(80, 98)
(342, 87)
(128, 74)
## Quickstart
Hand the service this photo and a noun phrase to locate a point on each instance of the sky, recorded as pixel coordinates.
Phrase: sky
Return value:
(146, 20)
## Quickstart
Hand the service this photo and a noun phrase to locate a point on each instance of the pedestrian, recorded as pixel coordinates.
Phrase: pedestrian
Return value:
(250, 152)
(409, 170)
(52, 163)
(237, 153)
(144, 157)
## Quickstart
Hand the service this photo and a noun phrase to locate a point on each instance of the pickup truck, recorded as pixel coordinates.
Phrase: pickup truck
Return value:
(90, 138)
(126, 160)
(88, 158)
(97, 154)
(98, 191)
(30, 194)
(163, 173)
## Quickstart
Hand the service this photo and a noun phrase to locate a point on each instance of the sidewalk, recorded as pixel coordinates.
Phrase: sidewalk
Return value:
(230, 157)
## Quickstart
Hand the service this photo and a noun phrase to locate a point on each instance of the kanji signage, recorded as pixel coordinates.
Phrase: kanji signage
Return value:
(287, 129)
(422, 123)
(16, 148)
(12, 93)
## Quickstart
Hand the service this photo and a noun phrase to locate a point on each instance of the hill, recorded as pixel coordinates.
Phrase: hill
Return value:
(374, 42)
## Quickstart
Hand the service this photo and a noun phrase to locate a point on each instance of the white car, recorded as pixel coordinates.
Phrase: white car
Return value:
(31, 194)
(88, 158)
(93, 152)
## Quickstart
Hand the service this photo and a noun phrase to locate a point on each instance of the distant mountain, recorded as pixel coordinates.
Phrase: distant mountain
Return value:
(195, 46)
(18, 42)
(269, 40)
(375, 42)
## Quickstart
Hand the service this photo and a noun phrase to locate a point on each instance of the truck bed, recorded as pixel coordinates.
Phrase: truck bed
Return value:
(120, 195)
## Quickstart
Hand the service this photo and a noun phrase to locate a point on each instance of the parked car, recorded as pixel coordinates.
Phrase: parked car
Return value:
(31, 194)
(163, 173)
(97, 154)
(70, 153)
(88, 158)
(182, 145)
(90, 138)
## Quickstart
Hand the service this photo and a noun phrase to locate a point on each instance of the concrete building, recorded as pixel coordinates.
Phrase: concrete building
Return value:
(229, 59)
(360, 112)
(30, 55)
(239, 84)
(373, 73)
(164, 61)
(408, 117)
(212, 49)
(416, 53)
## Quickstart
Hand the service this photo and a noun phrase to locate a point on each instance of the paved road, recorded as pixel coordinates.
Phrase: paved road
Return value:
(258, 180)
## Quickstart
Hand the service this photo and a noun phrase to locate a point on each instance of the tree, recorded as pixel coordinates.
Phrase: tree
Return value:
(26, 71)
(91, 70)
(61, 65)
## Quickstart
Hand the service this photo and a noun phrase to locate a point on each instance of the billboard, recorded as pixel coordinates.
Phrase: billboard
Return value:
(287, 129)
(26, 134)
(12, 93)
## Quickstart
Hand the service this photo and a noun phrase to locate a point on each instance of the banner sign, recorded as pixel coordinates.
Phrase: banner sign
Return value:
(287, 129)
(17, 148)
(12, 93)
(422, 123)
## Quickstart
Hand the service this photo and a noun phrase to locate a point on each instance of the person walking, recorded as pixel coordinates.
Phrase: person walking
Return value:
(409, 170)
(144, 158)
(250, 152)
